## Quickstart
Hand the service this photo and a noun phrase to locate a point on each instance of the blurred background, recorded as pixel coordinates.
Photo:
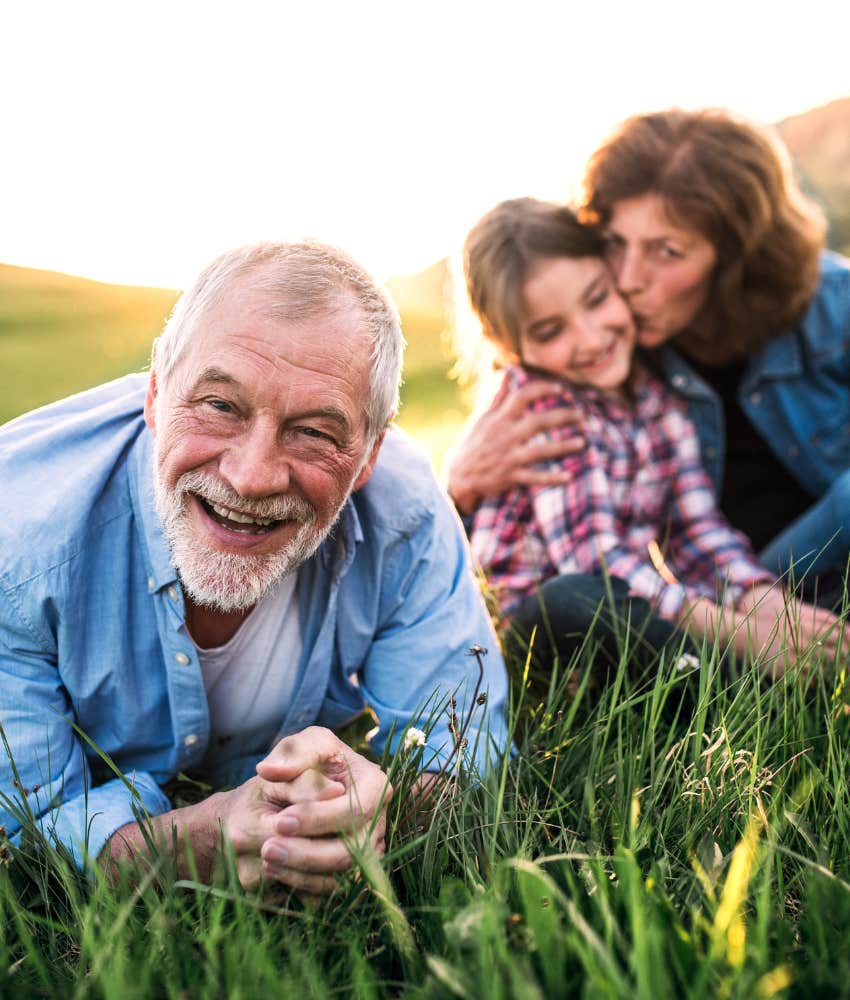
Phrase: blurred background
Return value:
(141, 140)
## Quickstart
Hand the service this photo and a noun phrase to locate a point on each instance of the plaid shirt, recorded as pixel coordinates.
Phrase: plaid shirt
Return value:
(638, 480)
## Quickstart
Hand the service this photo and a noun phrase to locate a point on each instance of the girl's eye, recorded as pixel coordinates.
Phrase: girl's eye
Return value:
(598, 298)
(671, 253)
(546, 334)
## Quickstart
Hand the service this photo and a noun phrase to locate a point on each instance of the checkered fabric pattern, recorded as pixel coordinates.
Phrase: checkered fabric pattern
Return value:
(638, 481)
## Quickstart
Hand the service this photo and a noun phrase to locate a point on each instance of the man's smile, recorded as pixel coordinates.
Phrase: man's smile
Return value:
(237, 520)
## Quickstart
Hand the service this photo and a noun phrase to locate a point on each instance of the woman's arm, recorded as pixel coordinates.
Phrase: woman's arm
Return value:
(504, 446)
(769, 624)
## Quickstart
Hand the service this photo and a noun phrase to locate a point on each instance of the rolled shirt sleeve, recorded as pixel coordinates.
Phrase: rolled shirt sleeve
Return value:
(420, 659)
(44, 773)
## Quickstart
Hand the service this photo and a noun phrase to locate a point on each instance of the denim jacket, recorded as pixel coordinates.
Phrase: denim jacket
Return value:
(795, 391)
(93, 629)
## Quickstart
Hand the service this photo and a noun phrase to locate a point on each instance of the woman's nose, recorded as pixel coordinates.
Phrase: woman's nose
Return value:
(630, 272)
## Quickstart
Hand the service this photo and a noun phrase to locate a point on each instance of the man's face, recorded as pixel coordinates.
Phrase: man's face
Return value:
(260, 438)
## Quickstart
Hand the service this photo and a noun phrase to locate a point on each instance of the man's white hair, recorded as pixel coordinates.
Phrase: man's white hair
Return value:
(305, 280)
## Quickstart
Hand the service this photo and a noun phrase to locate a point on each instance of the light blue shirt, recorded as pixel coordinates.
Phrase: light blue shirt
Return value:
(92, 625)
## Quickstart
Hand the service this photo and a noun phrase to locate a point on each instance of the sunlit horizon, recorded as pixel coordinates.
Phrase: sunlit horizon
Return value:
(142, 142)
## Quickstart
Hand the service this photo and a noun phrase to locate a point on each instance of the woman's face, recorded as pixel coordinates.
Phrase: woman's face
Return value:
(575, 325)
(662, 270)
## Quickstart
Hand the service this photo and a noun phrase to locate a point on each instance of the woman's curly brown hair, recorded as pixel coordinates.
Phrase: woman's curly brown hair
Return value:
(731, 182)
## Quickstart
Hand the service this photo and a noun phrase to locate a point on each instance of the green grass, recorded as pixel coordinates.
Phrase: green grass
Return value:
(643, 842)
(60, 334)
(669, 836)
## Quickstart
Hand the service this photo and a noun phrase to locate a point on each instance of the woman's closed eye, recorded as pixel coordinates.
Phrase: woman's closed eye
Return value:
(669, 252)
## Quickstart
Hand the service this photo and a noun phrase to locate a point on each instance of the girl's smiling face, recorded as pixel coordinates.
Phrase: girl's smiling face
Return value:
(575, 324)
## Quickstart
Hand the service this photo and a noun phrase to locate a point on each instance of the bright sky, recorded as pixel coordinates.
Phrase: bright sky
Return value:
(141, 138)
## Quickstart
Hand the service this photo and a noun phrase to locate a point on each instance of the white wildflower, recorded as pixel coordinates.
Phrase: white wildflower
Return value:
(414, 738)
(687, 661)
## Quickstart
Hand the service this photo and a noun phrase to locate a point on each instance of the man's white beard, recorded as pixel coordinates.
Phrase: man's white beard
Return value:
(226, 581)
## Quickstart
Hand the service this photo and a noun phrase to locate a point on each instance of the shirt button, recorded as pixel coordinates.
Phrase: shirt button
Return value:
(755, 399)
(190, 740)
(181, 658)
(711, 453)
(151, 584)
(793, 451)
(680, 381)
(172, 593)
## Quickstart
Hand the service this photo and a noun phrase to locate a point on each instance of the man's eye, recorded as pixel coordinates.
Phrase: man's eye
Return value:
(220, 405)
(312, 432)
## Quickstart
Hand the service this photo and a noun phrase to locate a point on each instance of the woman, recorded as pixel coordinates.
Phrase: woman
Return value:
(741, 312)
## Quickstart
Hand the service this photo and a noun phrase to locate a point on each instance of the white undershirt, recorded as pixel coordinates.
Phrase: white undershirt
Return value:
(250, 679)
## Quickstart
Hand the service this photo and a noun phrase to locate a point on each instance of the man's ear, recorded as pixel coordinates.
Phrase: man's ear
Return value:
(150, 395)
(365, 473)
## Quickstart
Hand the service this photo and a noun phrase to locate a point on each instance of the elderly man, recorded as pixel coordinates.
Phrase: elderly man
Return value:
(198, 565)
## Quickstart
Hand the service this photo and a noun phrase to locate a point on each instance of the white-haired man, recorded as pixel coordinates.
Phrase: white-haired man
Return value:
(198, 565)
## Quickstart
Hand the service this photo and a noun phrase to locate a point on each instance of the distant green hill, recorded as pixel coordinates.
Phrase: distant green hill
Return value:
(60, 334)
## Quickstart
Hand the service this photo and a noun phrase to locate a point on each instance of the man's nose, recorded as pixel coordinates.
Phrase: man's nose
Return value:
(255, 463)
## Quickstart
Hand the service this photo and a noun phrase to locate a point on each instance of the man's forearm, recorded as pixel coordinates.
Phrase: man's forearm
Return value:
(192, 832)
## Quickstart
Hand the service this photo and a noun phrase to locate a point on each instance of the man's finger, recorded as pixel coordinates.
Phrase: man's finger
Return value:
(249, 870)
(314, 747)
(312, 785)
(341, 815)
(312, 885)
(307, 854)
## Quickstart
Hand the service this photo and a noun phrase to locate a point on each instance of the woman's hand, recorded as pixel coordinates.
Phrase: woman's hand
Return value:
(783, 629)
(771, 626)
(504, 444)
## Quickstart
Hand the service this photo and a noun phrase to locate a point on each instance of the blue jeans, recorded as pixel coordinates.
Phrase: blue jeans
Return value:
(571, 610)
(818, 542)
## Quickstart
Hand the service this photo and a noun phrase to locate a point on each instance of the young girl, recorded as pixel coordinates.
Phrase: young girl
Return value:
(637, 506)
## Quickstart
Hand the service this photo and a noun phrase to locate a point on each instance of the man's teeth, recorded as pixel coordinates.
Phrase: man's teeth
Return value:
(234, 515)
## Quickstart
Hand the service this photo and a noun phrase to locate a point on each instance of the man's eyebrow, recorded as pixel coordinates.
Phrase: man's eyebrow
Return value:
(217, 377)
